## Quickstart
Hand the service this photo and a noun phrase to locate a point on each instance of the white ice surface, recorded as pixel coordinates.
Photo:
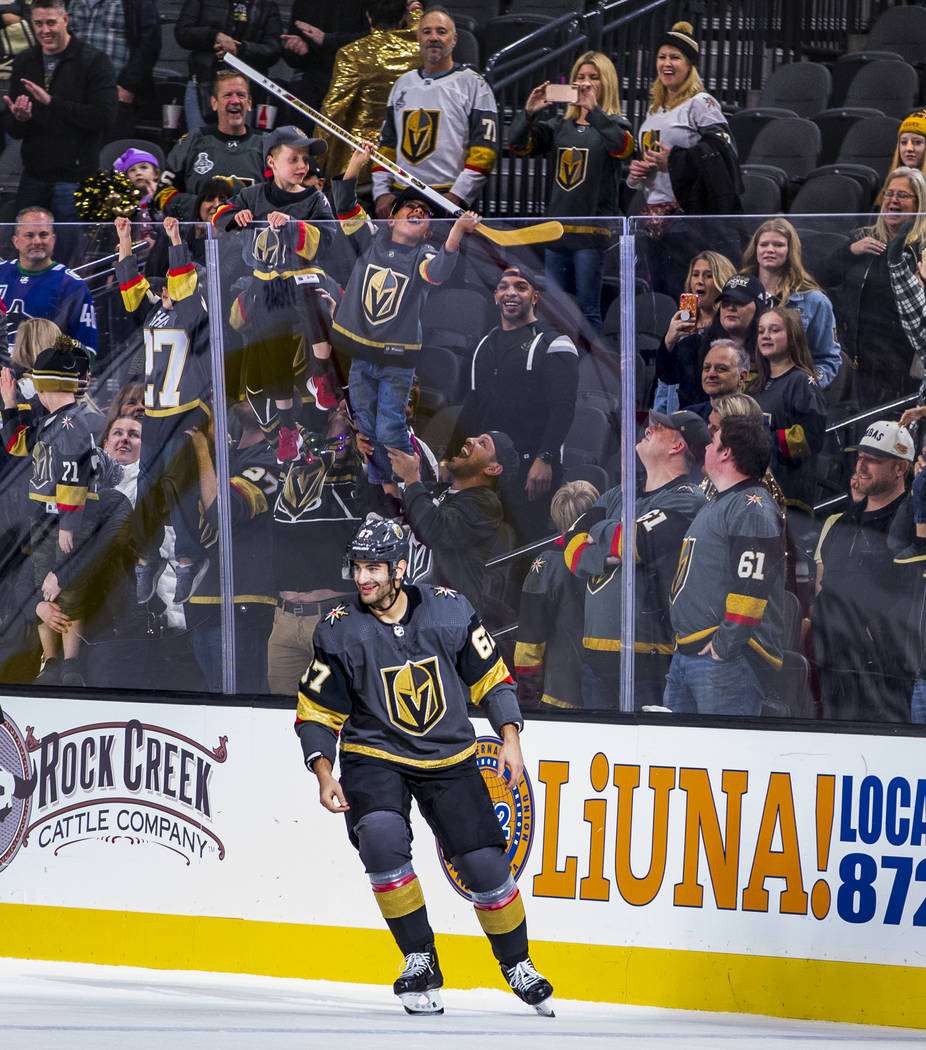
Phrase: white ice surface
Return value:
(70, 1005)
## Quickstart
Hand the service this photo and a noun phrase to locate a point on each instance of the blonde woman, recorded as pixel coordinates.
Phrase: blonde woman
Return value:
(910, 151)
(879, 294)
(774, 256)
(589, 141)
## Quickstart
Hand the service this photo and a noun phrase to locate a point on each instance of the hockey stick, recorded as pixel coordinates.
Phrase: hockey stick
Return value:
(534, 234)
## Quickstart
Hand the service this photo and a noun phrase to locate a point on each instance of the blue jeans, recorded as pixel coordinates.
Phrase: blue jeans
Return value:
(58, 197)
(666, 399)
(378, 399)
(579, 274)
(705, 686)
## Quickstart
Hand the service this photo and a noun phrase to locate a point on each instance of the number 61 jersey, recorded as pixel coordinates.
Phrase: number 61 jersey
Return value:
(399, 692)
(729, 585)
(178, 378)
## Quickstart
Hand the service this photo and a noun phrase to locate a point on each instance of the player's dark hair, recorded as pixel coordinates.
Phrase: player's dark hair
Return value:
(386, 14)
(440, 10)
(748, 440)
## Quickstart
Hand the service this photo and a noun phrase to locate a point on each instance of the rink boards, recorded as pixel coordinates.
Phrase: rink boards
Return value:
(752, 871)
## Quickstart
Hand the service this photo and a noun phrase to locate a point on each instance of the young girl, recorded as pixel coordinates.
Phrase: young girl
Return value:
(590, 140)
(774, 256)
(788, 394)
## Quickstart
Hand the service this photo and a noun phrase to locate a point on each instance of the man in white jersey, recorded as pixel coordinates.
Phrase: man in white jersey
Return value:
(441, 121)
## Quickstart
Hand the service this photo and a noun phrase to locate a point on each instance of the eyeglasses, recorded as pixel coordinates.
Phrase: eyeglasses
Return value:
(898, 195)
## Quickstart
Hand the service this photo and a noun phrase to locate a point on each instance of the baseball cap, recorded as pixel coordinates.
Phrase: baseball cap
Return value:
(743, 288)
(410, 194)
(135, 156)
(290, 135)
(506, 455)
(532, 278)
(888, 439)
(315, 168)
(692, 428)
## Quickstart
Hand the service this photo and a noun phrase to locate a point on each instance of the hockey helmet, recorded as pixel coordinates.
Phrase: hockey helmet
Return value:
(377, 539)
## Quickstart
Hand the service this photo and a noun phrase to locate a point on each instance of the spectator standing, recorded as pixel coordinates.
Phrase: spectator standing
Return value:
(671, 449)
(312, 39)
(129, 32)
(463, 528)
(364, 72)
(878, 294)
(523, 381)
(61, 102)
(727, 597)
(865, 647)
(34, 285)
(211, 29)
(590, 141)
(708, 272)
(788, 394)
(441, 122)
(774, 256)
(685, 144)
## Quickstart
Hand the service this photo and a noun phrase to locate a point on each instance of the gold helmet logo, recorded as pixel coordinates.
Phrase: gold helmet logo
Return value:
(383, 290)
(572, 168)
(419, 134)
(415, 695)
(269, 249)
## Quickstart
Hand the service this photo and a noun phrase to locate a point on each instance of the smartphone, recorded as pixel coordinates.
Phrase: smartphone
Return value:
(688, 305)
(567, 93)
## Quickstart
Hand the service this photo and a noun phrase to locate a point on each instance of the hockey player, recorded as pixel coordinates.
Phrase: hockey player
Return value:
(392, 674)
(378, 323)
(178, 386)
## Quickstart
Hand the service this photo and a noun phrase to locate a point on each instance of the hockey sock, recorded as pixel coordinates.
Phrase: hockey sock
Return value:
(319, 358)
(400, 899)
(501, 914)
(287, 416)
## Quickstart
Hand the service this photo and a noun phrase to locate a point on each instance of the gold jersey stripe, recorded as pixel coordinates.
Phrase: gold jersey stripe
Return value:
(404, 760)
(308, 711)
(499, 673)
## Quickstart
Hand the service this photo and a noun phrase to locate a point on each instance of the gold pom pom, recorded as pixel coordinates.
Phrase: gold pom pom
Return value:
(683, 27)
(107, 194)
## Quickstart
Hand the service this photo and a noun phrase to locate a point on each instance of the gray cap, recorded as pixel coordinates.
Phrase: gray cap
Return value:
(290, 135)
(692, 428)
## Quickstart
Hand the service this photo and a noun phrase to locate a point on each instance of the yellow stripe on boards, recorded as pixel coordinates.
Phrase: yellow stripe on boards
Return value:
(801, 988)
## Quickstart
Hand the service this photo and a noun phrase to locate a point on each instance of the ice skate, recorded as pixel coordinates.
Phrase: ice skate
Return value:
(419, 982)
(529, 986)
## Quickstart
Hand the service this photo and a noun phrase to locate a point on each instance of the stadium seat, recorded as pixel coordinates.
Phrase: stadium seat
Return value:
(588, 437)
(846, 66)
(866, 178)
(440, 373)
(746, 124)
(870, 141)
(829, 193)
(891, 86)
(761, 195)
(801, 86)
(466, 50)
(901, 29)
(507, 29)
(834, 125)
(791, 144)
(654, 311)
(589, 472)
(441, 314)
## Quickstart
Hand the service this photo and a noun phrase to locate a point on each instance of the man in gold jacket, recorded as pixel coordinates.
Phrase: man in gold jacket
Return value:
(364, 72)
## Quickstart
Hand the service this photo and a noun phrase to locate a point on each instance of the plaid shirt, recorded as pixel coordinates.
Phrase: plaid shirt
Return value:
(910, 298)
(101, 24)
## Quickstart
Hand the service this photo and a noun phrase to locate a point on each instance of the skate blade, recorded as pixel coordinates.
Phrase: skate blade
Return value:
(422, 1002)
(545, 1008)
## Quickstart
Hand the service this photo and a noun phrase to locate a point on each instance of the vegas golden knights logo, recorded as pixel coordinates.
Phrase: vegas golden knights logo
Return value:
(419, 134)
(382, 293)
(414, 695)
(684, 564)
(302, 490)
(596, 583)
(572, 168)
(269, 249)
(650, 139)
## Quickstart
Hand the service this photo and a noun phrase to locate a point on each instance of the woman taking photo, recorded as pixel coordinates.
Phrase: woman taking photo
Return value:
(774, 256)
(590, 141)
(790, 398)
(871, 294)
(674, 155)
